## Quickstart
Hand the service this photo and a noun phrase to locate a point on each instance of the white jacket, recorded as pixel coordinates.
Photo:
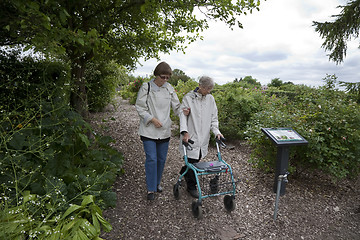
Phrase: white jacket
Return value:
(203, 117)
(156, 103)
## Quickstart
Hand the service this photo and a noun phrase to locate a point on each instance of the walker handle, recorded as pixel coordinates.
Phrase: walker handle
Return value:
(187, 144)
(221, 141)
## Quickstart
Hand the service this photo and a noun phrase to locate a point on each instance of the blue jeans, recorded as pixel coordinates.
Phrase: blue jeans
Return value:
(156, 153)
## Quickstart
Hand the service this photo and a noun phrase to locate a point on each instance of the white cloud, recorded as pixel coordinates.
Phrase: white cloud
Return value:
(278, 41)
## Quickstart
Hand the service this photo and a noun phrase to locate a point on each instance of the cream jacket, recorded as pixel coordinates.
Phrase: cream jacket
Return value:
(156, 103)
(203, 117)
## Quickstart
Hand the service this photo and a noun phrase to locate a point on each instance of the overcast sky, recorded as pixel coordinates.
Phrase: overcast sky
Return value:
(278, 41)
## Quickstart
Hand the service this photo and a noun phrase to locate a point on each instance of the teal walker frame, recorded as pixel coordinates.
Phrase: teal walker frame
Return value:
(217, 186)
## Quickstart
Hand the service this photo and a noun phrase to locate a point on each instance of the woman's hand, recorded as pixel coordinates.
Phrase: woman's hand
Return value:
(219, 136)
(156, 122)
(186, 111)
(186, 137)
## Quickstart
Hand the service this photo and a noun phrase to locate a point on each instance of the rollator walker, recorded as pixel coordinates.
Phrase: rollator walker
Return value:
(213, 178)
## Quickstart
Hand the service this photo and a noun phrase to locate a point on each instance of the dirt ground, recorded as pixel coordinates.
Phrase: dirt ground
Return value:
(312, 208)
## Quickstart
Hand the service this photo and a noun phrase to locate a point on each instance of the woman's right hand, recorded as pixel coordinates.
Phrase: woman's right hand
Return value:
(186, 111)
(156, 122)
(186, 137)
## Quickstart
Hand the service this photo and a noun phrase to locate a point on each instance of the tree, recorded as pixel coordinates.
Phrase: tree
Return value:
(337, 33)
(276, 82)
(251, 81)
(120, 30)
(178, 75)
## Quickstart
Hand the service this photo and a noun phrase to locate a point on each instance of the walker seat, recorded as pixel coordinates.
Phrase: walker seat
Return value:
(213, 166)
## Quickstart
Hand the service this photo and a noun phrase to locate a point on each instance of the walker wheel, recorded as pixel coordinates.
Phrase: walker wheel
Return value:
(229, 203)
(176, 191)
(196, 209)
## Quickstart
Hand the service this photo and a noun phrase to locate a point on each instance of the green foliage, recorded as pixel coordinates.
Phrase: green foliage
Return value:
(352, 88)
(276, 82)
(25, 77)
(344, 28)
(130, 91)
(281, 93)
(236, 105)
(326, 117)
(53, 142)
(36, 217)
(125, 31)
(178, 75)
(247, 82)
(183, 88)
(48, 150)
(103, 79)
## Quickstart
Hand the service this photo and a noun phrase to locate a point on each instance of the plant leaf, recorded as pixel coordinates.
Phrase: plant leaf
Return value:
(71, 209)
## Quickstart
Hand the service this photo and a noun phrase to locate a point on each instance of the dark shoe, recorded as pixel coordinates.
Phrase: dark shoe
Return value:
(159, 188)
(151, 196)
(193, 193)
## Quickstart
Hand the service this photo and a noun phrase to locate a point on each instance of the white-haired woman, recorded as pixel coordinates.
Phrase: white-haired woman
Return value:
(202, 119)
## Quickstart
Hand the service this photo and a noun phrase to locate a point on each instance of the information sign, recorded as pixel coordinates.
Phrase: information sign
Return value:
(284, 136)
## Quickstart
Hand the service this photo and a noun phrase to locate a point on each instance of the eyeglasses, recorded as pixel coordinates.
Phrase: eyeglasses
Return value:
(164, 77)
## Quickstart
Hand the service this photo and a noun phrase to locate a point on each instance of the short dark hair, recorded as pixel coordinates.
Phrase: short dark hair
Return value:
(163, 68)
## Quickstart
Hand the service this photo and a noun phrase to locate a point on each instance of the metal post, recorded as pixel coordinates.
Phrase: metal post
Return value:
(281, 178)
(282, 163)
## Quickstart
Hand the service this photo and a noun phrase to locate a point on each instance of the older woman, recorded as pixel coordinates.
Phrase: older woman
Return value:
(153, 103)
(203, 117)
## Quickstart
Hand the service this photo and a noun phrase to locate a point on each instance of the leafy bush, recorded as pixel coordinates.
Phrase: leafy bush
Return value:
(183, 88)
(327, 118)
(130, 91)
(23, 78)
(48, 152)
(103, 80)
(236, 105)
(35, 217)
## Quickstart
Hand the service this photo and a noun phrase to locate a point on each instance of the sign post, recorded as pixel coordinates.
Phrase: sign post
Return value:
(283, 138)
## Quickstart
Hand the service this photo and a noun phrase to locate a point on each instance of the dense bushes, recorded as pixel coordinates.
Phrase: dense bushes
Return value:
(236, 106)
(103, 80)
(50, 157)
(131, 89)
(327, 118)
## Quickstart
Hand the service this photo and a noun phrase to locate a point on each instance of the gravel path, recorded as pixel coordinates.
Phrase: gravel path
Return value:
(312, 208)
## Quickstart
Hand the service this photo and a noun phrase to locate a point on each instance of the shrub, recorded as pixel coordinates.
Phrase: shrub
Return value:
(326, 118)
(48, 152)
(23, 78)
(183, 88)
(37, 217)
(236, 105)
(103, 80)
(130, 91)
